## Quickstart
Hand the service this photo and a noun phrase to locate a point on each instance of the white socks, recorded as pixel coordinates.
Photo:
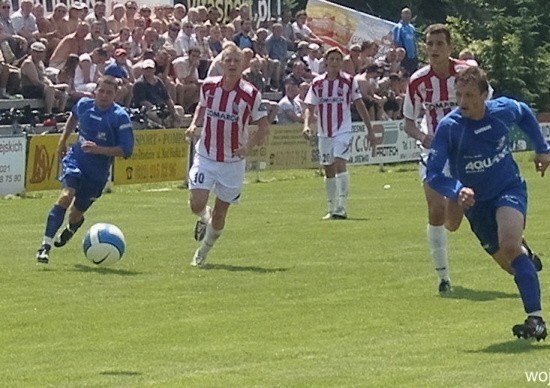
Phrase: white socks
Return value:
(437, 240)
(209, 239)
(330, 186)
(205, 214)
(342, 187)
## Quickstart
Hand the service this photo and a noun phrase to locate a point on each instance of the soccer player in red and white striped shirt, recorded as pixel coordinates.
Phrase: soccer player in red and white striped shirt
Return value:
(432, 88)
(227, 105)
(332, 94)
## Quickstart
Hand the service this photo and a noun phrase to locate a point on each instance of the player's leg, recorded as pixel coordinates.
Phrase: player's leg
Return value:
(229, 178)
(510, 223)
(342, 147)
(453, 215)
(87, 193)
(200, 182)
(437, 236)
(326, 158)
(54, 222)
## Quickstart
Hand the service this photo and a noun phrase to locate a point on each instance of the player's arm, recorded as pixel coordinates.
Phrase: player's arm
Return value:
(259, 117)
(308, 114)
(70, 126)
(123, 148)
(439, 154)
(411, 129)
(193, 131)
(364, 113)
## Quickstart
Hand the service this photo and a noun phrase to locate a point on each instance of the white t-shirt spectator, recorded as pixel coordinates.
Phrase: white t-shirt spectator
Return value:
(287, 105)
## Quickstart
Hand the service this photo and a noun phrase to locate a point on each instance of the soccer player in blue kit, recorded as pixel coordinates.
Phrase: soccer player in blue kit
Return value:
(486, 184)
(104, 131)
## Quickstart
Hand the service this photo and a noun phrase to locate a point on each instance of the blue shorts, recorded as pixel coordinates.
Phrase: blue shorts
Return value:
(86, 189)
(482, 216)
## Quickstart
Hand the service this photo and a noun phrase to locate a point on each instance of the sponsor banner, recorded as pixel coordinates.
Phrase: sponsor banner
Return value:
(394, 145)
(340, 26)
(12, 164)
(43, 165)
(284, 148)
(545, 128)
(159, 155)
(260, 10)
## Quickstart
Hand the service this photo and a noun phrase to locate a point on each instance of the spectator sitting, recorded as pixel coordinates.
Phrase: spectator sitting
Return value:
(67, 75)
(368, 84)
(89, 70)
(290, 111)
(149, 91)
(468, 56)
(94, 39)
(35, 84)
(276, 46)
(202, 44)
(164, 70)
(369, 49)
(99, 16)
(270, 67)
(24, 22)
(71, 44)
(53, 27)
(186, 39)
(171, 34)
(243, 39)
(116, 21)
(299, 55)
(288, 31)
(123, 38)
(75, 17)
(215, 40)
(253, 74)
(394, 101)
(228, 31)
(314, 64)
(297, 73)
(187, 79)
(121, 70)
(352, 62)
(130, 11)
(303, 32)
(136, 44)
(6, 70)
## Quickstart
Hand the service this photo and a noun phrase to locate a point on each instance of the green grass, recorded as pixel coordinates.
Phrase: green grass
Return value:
(287, 300)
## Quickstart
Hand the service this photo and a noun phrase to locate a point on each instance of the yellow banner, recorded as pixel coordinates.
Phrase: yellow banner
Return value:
(159, 155)
(284, 148)
(43, 165)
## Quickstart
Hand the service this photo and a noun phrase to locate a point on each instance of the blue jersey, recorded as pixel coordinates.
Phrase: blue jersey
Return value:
(108, 128)
(478, 151)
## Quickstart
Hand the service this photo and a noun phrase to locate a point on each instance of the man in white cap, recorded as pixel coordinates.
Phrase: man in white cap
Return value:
(311, 59)
(35, 84)
(149, 91)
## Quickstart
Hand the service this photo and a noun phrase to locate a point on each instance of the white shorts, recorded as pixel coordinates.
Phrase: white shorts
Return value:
(424, 162)
(224, 179)
(330, 148)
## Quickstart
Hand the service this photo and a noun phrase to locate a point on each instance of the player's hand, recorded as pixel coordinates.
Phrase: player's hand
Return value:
(466, 198)
(243, 151)
(192, 133)
(427, 141)
(541, 163)
(307, 133)
(89, 147)
(373, 140)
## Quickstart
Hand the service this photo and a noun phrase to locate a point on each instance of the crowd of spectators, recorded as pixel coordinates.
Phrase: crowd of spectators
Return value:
(161, 56)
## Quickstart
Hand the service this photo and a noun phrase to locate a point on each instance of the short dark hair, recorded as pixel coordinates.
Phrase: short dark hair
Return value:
(473, 74)
(438, 28)
(333, 50)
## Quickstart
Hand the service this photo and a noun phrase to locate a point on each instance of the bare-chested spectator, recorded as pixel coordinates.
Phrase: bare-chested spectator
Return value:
(369, 49)
(187, 78)
(24, 22)
(352, 62)
(394, 98)
(90, 68)
(67, 76)
(180, 11)
(71, 44)
(35, 84)
(94, 39)
(98, 15)
(165, 71)
(115, 22)
(145, 14)
(368, 85)
(47, 27)
(130, 14)
(75, 17)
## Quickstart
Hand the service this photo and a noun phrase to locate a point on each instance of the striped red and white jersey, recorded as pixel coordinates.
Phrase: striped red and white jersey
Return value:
(333, 99)
(436, 95)
(226, 119)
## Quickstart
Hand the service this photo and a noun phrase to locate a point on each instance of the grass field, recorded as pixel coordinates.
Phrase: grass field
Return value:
(287, 300)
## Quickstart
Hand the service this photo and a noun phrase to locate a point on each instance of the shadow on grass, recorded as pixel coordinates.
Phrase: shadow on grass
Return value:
(104, 270)
(120, 373)
(513, 346)
(477, 295)
(238, 268)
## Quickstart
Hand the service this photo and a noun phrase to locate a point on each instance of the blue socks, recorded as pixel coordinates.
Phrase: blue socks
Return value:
(528, 284)
(55, 220)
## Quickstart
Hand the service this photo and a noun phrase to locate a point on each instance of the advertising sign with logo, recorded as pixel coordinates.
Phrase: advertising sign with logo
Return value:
(12, 164)
(159, 156)
(43, 165)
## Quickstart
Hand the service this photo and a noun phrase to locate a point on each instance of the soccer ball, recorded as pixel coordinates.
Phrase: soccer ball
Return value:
(104, 244)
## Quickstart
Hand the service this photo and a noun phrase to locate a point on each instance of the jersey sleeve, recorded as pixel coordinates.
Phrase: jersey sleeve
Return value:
(202, 97)
(259, 109)
(311, 97)
(125, 133)
(526, 120)
(412, 103)
(439, 154)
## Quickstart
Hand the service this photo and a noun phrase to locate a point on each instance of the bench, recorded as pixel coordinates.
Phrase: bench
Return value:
(18, 104)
